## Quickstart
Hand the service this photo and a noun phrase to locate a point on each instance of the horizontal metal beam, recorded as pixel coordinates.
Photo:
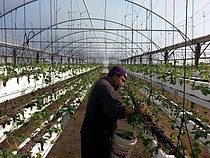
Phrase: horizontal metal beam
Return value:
(91, 29)
(194, 41)
(101, 47)
(23, 48)
(109, 42)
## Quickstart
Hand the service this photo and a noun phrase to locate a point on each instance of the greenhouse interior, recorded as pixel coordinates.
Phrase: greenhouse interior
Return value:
(53, 51)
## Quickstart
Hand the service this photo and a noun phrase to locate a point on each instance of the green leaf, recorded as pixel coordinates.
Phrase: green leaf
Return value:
(127, 135)
(193, 155)
(146, 142)
(207, 143)
(197, 151)
(195, 144)
(182, 147)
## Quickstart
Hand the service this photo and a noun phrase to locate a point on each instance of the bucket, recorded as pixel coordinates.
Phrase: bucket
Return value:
(120, 147)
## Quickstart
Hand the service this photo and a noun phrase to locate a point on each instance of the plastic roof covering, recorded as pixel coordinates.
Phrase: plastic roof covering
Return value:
(91, 30)
(11, 4)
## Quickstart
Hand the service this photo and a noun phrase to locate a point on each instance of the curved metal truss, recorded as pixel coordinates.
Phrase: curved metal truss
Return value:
(94, 37)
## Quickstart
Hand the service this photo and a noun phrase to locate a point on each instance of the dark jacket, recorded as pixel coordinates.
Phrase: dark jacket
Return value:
(102, 111)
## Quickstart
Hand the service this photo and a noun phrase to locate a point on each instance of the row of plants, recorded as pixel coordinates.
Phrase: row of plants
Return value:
(149, 126)
(173, 74)
(147, 129)
(200, 114)
(36, 70)
(195, 100)
(66, 110)
(9, 108)
(163, 70)
(18, 115)
(45, 76)
(49, 120)
(163, 97)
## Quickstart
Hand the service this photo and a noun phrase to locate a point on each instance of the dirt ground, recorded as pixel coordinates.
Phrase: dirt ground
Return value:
(68, 144)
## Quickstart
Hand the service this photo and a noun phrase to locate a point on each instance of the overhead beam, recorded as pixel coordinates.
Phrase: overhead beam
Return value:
(92, 29)
(195, 41)
(18, 47)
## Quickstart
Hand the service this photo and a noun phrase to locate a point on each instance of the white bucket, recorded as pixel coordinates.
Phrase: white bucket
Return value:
(121, 148)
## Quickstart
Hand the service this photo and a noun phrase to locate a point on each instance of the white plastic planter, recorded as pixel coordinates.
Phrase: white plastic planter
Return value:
(195, 96)
(47, 145)
(160, 153)
(190, 124)
(28, 112)
(13, 89)
(153, 145)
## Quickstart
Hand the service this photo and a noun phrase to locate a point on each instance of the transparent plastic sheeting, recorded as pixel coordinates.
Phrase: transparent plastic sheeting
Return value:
(8, 5)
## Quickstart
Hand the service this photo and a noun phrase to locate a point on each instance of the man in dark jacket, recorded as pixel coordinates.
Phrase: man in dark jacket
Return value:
(102, 111)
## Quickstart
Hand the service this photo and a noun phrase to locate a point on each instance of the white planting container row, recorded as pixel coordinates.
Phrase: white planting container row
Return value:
(190, 124)
(153, 145)
(33, 134)
(54, 136)
(48, 145)
(13, 89)
(195, 96)
(28, 112)
(75, 103)
(37, 148)
(25, 116)
(161, 153)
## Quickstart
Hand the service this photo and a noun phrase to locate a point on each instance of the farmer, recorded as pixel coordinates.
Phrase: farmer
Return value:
(102, 111)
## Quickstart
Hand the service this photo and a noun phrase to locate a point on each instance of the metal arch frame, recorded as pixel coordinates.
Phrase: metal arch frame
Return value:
(181, 33)
(91, 38)
(114, 22)
(80, 31)
(17, 8)
(86, 19)
(88, 38)
(20, 6)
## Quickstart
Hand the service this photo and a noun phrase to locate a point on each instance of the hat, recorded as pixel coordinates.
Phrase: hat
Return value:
(118, 70)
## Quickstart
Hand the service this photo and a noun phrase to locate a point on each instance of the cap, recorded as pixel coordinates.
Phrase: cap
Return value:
(118, 70)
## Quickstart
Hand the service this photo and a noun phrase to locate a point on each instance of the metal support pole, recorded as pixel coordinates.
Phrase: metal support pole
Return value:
(15, 56)
(197, 53)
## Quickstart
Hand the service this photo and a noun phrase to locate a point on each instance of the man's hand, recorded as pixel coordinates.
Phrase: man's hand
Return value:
(129, 111)
(143, 108)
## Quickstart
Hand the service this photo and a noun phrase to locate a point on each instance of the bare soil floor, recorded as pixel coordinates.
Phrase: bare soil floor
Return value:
(68, 144)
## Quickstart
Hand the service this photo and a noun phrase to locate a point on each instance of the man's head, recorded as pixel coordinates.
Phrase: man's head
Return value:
(117, 77)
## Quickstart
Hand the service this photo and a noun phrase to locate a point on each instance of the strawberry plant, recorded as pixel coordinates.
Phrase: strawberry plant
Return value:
(141, 120)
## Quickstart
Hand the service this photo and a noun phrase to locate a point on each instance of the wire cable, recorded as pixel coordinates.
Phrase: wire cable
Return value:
(90, 19)
(5, 31)
(183, 121)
